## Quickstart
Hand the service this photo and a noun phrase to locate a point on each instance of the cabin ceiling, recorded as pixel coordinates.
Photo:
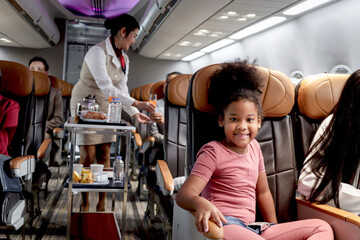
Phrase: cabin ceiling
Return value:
(190, 24)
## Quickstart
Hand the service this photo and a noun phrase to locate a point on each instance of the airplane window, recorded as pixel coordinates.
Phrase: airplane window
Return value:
(341, 69)
(296, 77)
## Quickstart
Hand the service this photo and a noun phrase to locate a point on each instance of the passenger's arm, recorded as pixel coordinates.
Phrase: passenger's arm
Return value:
(57, 118)
(188, 198)
(154, 131)
(264, 199)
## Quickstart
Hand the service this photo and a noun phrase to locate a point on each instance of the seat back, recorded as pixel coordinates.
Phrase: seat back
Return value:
(175, 124)
(17, 84)
(275, 136)
(144, 96)
(39, 111)
(157, 89)
(316, 97)
(66, 89)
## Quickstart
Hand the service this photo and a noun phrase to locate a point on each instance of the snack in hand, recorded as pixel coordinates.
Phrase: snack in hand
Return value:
(76, 177)
(94, 115)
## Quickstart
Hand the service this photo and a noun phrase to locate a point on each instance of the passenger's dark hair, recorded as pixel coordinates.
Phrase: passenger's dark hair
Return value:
(336, 154)
(176, 73)
(124, 20)
(232, 82)
(40, 59)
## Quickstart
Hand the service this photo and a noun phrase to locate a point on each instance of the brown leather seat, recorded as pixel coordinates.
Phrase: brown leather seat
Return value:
(17, 84)
(275, 136)
(316, 97)
(157, 89)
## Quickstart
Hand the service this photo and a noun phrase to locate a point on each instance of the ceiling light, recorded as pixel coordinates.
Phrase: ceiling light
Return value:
(217, 45)
(185, 43)
(250, 15)
(198, 44)
(178, 55)
(304, 6)
(257, 27)
(5, 40)
(232, 13)
(223, 17)
(214, 35)
(199, 34)
(193, 56)
(241, 19)
(204, 31)
(167, 54)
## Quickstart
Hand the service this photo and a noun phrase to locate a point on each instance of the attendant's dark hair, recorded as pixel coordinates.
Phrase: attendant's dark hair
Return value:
(125, 20)
(40, 59)
(336, 154)
(235, 81)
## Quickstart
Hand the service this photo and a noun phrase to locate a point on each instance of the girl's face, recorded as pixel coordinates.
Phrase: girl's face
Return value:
(241, 123)
(124, 42)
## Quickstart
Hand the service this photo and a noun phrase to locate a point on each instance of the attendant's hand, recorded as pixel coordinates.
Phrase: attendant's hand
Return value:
(142, 105)
(206, 211)
(142, 118)
(157, 117)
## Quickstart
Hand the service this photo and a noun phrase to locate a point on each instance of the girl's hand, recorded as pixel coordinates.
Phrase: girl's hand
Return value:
(142, 118)
(206, 211)
(142, 105)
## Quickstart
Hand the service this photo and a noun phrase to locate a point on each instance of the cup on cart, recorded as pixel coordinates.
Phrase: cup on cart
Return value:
(96, 168)
(78, 168)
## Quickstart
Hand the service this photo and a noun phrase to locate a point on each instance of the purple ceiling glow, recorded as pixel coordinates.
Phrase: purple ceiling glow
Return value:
(99, 8)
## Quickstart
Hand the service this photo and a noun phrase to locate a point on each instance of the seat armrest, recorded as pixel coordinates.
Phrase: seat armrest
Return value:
(346, 225)
(44, 151)
(22, 166)
(138, 140)
(148, 143)
(58, 132)
(164, 178)
(184, 226)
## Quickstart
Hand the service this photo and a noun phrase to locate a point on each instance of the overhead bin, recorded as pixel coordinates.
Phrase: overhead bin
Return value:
(35, 13)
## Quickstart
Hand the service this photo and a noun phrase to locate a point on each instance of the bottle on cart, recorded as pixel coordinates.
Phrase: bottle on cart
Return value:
(118, 169)
(111, 110)
(118, 111)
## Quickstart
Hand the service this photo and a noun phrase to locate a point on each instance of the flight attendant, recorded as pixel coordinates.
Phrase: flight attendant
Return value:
(104, 74)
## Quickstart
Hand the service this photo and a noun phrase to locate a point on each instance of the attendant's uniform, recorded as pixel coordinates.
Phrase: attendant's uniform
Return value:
(103, 76)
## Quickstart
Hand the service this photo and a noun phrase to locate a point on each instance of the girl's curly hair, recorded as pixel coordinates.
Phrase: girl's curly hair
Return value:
(232, 82)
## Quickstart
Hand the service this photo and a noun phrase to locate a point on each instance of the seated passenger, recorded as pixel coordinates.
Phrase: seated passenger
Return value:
(230, 174)
(9, 113)
(156, 129)
(331, 172)
(55, 109)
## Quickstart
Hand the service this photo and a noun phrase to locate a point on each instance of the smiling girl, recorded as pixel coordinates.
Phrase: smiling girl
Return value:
(230, 174)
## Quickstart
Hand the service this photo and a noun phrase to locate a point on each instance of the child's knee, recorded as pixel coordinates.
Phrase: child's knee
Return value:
(322, 226)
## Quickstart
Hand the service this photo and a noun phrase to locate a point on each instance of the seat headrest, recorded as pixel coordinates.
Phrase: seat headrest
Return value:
(42, 84)
(145, 92)
(65, 88)
(177, 89)
(277, 93)
(55, 82)
(318, 94)
(157, 89)
(137, 93)
(132, 93)
(16, 79)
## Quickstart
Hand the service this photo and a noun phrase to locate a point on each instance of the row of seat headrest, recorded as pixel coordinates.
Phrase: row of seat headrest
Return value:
(316, 97)
(17, 79)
